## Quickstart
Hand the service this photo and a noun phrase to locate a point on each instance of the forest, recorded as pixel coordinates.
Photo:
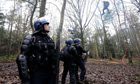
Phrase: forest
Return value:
(112, 37)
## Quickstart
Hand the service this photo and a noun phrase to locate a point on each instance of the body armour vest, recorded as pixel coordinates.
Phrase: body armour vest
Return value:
(42, 51)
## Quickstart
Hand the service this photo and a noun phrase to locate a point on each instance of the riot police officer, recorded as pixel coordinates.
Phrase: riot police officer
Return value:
(36, 62)
(68, 56)
(80, 60)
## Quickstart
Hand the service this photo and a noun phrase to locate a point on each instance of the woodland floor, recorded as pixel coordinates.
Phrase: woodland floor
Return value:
(97, 72)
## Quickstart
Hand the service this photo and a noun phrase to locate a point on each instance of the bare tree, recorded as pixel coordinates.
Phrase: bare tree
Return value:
(122, 45)
(58, 38)
(32, 14)
(126, 27)
(99, 34)
(11, 28)
(105, 42)
(42, 8)
(136, 3)
(133, 24)
(80, 15)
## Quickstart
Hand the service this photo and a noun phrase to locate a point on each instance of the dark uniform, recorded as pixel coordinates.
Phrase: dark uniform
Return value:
(68, 56)
(80, 62)
(106, 4)
(36, 62)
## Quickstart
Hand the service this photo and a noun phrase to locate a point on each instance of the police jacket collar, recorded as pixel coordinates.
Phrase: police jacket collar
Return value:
(40, 33)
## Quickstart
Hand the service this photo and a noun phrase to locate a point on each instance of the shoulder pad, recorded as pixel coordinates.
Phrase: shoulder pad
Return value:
(28, 37)
(26, 43)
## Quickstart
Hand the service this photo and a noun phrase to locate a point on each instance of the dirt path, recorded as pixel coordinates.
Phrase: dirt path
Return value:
(98, 72)
(111, 72)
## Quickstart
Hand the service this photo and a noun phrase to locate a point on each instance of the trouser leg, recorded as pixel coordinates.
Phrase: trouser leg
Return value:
(83, 70)
(65, 71)
(72, 74)
(76, 73)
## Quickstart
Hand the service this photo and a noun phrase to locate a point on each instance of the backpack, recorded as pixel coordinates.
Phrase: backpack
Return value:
(65, 54)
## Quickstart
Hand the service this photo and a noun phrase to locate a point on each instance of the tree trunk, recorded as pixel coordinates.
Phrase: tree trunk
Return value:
(11, 28)
(82, 38)
(10, 39)
(96, 47)
(136, 40)
(122, 36)
(130, 57)
(58, 39)
(42, 8)
(105, 53)
(128, 50)
(31, 19)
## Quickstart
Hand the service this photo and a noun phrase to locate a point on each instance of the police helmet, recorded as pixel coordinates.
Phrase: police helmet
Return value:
(76, 40)
(39, 23)
(68, 41)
